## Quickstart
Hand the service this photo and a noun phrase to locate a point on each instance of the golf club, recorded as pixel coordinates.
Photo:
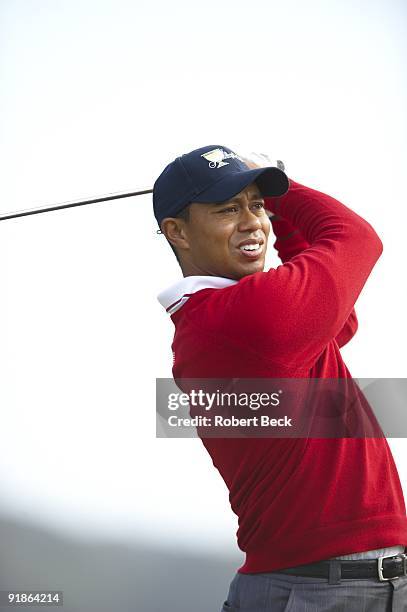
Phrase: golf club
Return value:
(71, 204)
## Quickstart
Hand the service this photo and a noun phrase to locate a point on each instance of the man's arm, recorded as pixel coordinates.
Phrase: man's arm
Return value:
(291, 312)
(348, 330)
(290, 242)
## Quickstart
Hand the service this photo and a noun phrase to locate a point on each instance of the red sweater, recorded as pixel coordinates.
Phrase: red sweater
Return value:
(298, 500)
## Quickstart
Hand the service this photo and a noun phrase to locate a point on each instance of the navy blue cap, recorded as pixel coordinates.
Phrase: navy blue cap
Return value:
(211, 174)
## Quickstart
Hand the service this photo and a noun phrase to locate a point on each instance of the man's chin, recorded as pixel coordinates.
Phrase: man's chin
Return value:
(247, 268)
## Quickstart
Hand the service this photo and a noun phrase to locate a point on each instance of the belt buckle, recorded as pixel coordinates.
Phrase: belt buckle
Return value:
(380, 566)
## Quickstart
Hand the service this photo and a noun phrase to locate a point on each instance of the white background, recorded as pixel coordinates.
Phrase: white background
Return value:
(98, 97)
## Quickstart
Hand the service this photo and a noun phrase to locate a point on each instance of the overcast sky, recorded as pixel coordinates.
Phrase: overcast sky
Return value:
(97, 97)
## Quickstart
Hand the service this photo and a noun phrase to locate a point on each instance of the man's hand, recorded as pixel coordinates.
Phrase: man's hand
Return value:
(261, 160)
(257, 160)
(250, 163)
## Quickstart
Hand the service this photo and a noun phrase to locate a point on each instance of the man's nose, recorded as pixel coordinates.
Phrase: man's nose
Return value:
(248, 220)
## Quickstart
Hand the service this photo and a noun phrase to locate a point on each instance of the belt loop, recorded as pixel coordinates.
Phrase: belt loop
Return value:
(334, 571)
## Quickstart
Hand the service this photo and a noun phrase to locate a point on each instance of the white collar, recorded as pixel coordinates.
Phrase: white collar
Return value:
(178, 293)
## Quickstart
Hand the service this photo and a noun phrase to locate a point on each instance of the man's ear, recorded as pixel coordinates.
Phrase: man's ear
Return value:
(174, 230)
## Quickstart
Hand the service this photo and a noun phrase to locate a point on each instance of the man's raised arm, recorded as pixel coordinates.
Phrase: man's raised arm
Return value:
(290, 242)
(294, 310)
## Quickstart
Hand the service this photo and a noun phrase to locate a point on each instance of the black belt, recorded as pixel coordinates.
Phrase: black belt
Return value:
(383, 568)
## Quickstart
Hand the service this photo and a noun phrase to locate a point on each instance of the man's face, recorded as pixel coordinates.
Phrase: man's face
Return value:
(216, 234)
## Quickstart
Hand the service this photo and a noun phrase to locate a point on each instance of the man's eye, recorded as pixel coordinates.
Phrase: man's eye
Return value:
(228, 209)
(259, 205)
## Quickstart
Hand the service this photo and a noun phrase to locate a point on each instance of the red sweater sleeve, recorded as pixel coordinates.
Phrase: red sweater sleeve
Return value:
(289, 242)
(348, 330)
(291, 312)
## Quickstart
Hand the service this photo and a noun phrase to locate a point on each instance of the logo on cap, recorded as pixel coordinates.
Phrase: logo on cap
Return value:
(216, 157)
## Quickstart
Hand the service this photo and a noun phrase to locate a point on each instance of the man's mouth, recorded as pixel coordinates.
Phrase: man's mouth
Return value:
(252, 250)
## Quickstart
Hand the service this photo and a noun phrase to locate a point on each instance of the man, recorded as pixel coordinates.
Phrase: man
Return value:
(312, 511)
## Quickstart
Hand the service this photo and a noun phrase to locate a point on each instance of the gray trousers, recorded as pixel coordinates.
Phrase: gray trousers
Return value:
(276, 592)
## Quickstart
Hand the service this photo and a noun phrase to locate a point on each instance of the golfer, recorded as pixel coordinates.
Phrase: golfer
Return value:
(322, 521)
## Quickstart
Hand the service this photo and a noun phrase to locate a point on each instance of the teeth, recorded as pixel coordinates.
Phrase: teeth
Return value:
(250, 247)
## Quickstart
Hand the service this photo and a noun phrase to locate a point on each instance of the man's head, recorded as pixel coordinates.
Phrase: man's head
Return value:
(226, 239)
(208, 203)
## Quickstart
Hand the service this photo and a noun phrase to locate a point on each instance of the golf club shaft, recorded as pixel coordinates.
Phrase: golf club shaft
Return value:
(105, 198)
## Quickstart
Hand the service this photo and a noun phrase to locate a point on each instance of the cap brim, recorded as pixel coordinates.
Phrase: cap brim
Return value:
(271, 182)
